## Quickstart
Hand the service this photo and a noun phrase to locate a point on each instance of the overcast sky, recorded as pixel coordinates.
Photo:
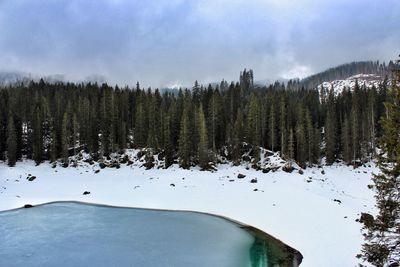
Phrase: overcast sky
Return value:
(167, 42)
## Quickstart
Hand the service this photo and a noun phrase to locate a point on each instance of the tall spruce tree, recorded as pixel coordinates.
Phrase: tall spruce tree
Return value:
(203, 140)
(301, 139)
(65, 135)
(382, 240)
(330, 130)
(38, 138)
(272, 127)
(140, 126)
(346, 140)
(282, 129)
(254, 126)
(238, 138)
(11, 142)
(168, 146)
(184, 141)
(291, 147)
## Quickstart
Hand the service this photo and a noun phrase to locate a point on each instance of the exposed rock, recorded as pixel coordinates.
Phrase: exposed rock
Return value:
(266, 170)
(338, 201)
(274, 169)
(173, 185)
(256, 167)
(124, 159)
(241, 176)
(115, 164)
(27, 206)
(253, 181)
(102, 165)
(148, 165)
(31, 178)
(287, 168)
(86, 193)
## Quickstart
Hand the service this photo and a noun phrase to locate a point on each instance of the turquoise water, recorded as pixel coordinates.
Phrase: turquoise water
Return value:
(77, 234)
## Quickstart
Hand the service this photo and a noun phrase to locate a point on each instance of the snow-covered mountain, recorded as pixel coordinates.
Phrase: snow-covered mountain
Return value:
(364, 80)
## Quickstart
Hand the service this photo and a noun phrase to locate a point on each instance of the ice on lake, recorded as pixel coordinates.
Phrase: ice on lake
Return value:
(76, 234)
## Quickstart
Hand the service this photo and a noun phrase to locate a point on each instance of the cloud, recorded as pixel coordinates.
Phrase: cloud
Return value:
(178, 41)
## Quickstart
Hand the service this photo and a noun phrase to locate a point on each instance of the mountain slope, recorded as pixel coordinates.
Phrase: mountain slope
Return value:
(338, 86)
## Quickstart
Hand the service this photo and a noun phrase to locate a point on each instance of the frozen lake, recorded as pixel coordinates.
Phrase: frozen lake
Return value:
(77, 234)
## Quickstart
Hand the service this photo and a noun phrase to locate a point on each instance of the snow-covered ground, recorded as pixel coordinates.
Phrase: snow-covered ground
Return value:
(313, 212)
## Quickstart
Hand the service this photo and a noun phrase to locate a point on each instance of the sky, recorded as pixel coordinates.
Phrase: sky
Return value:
(175, 42)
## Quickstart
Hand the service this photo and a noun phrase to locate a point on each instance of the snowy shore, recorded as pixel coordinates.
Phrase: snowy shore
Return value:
(313, 212)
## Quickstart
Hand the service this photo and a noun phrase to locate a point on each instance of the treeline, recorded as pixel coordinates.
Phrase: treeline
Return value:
(346, 70)
(44, 121)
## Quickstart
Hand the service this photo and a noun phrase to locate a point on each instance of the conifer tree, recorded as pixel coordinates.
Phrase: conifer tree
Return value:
(213, 120)
(382, 240)
(291, 146)
(301, 142)
(75, 133)
(311, 157)
(11, 142)
(3, 125)
(254, 126)
(272, 127)
(152, 141)
(203, 140)
(346, 141)
(355, 123)
(282, 129)
(330, 130)
(184, 141)
(65, 135)
(317, 144)
(53, 145)
(238, 137)
(38, 138)
(140, 126)
(168, 146)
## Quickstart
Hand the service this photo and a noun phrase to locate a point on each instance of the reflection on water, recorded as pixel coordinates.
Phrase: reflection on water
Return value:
(268, 251)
